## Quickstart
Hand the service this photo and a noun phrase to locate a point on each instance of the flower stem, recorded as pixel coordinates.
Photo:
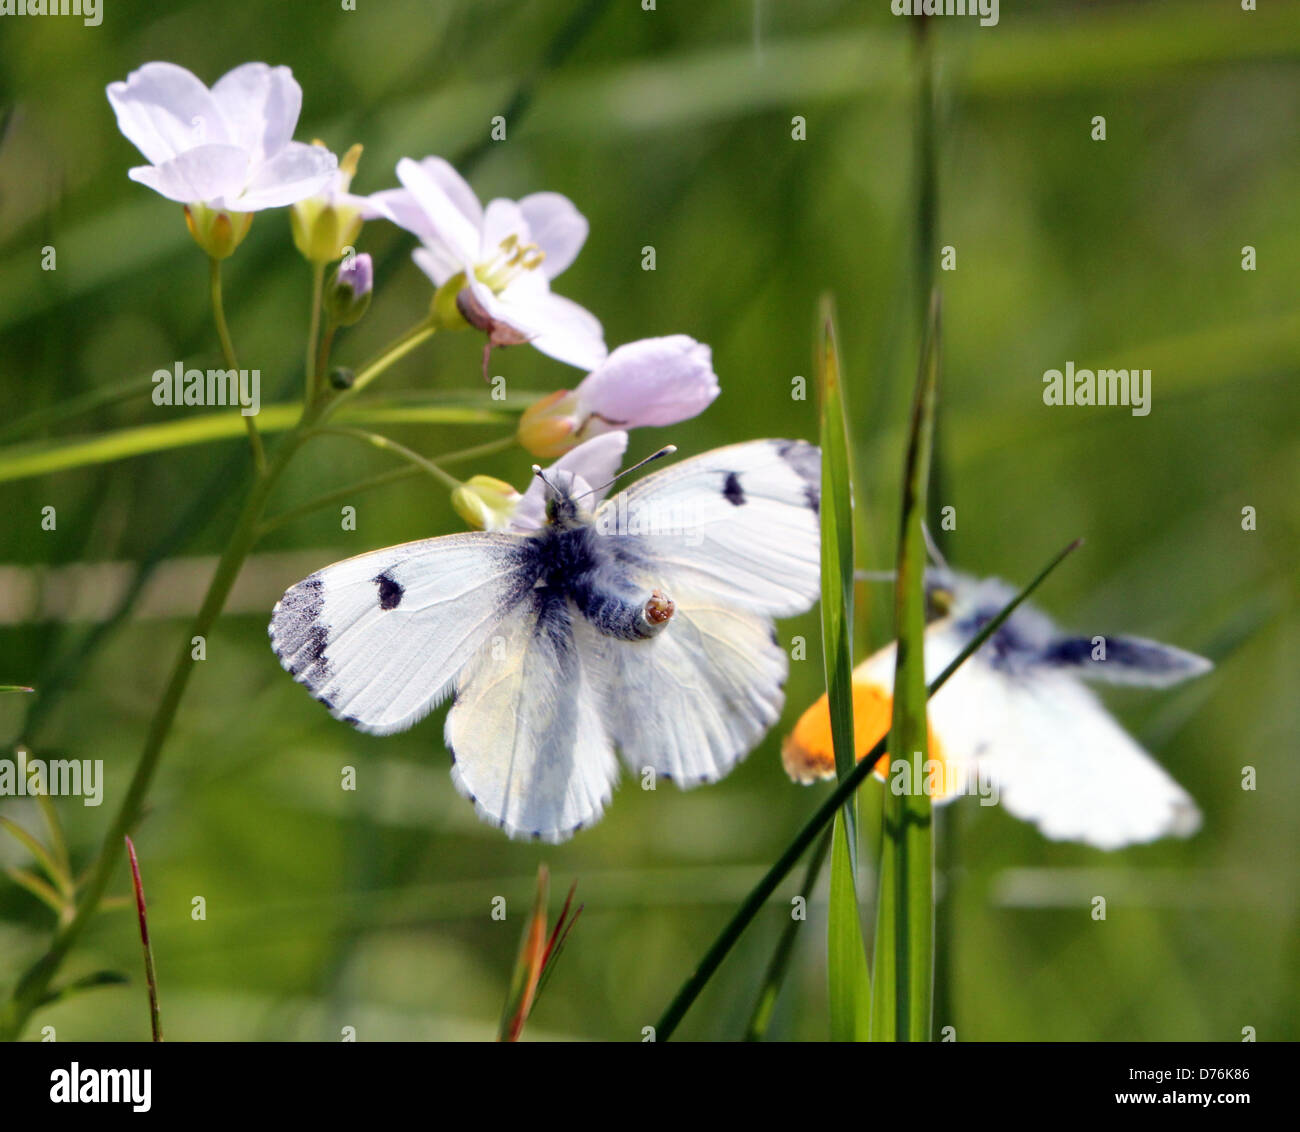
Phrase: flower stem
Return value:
(310, 366)
(387, 444)
(228, 351)
(396, 475)
(392, 353)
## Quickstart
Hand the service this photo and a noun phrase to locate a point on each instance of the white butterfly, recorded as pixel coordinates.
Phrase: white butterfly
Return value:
(645, 625)
(1017, 716)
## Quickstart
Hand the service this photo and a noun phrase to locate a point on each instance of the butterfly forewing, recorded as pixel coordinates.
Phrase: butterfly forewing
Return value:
(737, 525)
(380, 637)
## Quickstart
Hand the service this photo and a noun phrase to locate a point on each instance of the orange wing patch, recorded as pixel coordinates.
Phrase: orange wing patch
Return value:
(809, 755)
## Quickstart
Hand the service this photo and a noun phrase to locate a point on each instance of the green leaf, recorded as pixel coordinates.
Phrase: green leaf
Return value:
(846, 966)
(765, 1003)
(848, 980)
(85, 983)
(904, 943)
(60, 878)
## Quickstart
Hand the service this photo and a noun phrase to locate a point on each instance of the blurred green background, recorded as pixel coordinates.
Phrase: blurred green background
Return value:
(672, 129)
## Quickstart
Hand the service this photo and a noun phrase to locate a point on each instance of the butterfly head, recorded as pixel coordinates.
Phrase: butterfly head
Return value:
(565, 492)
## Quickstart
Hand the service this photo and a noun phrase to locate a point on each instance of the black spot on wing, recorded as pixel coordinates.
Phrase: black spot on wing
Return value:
(732, 492)
(390, 591)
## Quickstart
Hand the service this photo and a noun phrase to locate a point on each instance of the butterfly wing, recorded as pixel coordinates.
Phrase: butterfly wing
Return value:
(527, 731)
(957, 713)
(1053, 753)
(695, 699)
(737, 525)
(1061, 761)
(379, 638)
(732, 537)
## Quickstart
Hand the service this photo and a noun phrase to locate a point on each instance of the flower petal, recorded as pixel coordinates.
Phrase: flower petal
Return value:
(401, 207)
(208, 173)
(261, 105)
(595, 461)
(447, 223)
(557, 227)
(435, 264)
(653, 382)
(501, 219)
(556, 326)
(164, 110)
(296, 172)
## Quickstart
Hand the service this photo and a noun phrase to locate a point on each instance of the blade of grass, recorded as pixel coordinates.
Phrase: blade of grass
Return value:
(847, 977)
(86, 982)
(61, 879)
(848, 981)
(38, 888)
(771, 988)
(821, 817)
(150, 974)
(904, 944)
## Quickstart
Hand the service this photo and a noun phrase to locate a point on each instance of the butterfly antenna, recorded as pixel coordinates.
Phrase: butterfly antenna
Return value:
(933, 548)
(666, 450)
(541, 475)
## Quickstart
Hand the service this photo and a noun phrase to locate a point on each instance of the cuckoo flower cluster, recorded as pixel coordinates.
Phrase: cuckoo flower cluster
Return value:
(228, 152)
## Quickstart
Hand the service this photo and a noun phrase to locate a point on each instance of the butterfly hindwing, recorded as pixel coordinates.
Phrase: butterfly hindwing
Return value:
(379, 638)
(694, 700)
(527, 731)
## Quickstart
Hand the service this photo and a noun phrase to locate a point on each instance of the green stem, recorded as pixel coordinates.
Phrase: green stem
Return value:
(228, 351)
(352, 490)
(821, 818)
(310, 369)
(386, 444)
(396, 350)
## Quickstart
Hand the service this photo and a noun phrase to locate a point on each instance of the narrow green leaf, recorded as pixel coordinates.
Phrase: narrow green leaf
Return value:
(849, 983)
(46, 860)
(15, 688)
(43, 892)
(86, 982)
(765, 1003)
(904, 943)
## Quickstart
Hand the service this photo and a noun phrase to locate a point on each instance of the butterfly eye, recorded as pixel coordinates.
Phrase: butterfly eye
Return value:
(659, 609)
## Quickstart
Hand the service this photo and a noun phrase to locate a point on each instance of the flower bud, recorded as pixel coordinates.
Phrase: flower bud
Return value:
(548, 427)
(347, 297)
(217, 231)
(326, 225)
(485, 502)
